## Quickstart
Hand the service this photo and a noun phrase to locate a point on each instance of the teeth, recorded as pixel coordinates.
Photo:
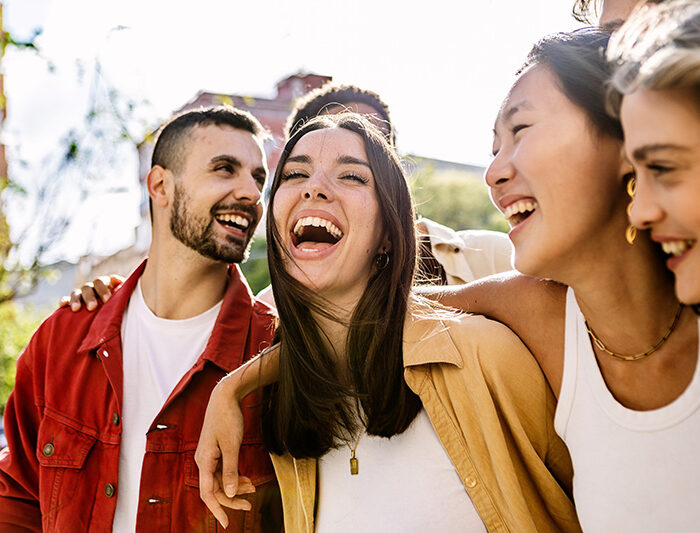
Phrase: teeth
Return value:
(238, 220)
(319, 223)
(676, 248)
(522, 206)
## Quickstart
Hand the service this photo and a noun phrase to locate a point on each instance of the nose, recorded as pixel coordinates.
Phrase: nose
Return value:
(500, 171)
(317, 186)
(246, 189)
(645, 210)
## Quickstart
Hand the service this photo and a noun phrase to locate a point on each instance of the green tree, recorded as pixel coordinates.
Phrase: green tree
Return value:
(454, 198)
(16, 327)
(255, 268)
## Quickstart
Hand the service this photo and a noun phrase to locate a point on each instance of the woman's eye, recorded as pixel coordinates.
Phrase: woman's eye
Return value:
(518, 128)
(354, 177)
(292, 175)
(657, 168)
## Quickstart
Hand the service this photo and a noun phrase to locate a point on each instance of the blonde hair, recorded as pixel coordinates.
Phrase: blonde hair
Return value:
(657, 48)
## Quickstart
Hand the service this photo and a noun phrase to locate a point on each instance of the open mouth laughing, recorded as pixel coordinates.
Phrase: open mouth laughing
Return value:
(313, 234)
(518, 211)
(234, 221)
(677, 248)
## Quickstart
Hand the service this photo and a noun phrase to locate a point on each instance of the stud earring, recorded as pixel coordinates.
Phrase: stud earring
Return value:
(631, 231)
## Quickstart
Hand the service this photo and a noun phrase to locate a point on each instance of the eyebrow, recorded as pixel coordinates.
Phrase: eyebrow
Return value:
(509, 112)
(643, 151)
(298, 159)
(512, 110)
(260, 172)
(349, 160)
(343, 160)
(226, 159)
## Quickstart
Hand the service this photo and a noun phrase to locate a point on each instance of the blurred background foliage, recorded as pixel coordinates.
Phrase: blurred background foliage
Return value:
(16, 326)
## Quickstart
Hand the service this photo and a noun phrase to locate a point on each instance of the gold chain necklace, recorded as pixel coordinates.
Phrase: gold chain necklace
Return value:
(599, 344)
(354, 465)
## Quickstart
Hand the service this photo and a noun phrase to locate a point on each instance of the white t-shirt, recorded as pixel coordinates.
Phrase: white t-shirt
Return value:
(157, 353)
(633, 470)
(405, 484)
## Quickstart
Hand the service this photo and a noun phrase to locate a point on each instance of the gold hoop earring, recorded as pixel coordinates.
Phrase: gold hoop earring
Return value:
(631, 231)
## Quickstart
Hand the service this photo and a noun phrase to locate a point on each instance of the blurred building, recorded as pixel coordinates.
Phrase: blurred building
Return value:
(272, 113)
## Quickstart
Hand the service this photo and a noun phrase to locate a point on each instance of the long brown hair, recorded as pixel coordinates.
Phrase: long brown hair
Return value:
(312, 407)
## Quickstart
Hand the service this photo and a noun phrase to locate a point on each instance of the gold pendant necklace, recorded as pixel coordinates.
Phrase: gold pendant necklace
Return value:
(599, 344)
(354, 465)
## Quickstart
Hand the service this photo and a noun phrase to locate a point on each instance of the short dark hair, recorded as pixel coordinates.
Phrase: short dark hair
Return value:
(170, 149)
(329, 96)
(577, 60)
(306, 412)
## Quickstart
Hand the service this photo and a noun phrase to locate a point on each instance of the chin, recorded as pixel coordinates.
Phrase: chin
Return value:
(525, 263)
(688, 291)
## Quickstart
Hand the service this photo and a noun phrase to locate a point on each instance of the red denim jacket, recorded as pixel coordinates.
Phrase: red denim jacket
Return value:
(63, 425)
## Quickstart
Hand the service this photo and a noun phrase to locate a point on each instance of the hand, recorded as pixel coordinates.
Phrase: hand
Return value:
(217, 453)
(102, 288)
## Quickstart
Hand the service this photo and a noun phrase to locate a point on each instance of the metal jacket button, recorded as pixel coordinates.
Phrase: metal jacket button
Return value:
(109, 490)
(48, 449)
(470, 482)
(115, 419)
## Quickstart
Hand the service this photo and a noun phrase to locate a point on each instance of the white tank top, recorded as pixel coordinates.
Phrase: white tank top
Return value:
(634, 471)
(405, 484)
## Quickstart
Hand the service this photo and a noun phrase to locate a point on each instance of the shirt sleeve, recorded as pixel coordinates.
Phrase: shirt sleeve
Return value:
(19, 468)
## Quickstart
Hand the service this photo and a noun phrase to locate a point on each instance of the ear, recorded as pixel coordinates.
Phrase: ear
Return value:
(159, 184)
(385, 245)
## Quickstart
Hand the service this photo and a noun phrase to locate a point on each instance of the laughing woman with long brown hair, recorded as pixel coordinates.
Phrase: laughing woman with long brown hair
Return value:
(390, 414)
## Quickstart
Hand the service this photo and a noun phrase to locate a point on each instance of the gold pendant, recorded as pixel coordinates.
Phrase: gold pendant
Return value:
(354, 467)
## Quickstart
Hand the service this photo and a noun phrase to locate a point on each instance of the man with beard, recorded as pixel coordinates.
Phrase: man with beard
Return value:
(106, 411)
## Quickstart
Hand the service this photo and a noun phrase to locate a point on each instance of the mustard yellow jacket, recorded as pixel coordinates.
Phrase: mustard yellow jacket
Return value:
(493, 411)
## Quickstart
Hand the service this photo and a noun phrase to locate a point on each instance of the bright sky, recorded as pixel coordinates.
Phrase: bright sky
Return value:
(442, 66)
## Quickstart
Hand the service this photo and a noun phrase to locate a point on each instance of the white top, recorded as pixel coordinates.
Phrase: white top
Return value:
(405, 484)
(157, 353)
(467, 255)
(634, 471)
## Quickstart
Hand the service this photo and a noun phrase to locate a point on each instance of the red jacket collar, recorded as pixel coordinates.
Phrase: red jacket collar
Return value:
(226, 346)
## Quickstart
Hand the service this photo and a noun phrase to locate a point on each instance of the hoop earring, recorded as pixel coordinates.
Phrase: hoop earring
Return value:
(631, 231)
(381, 260)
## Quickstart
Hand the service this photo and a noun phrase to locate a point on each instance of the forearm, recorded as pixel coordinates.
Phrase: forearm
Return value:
(259, 372)
(490, 296)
